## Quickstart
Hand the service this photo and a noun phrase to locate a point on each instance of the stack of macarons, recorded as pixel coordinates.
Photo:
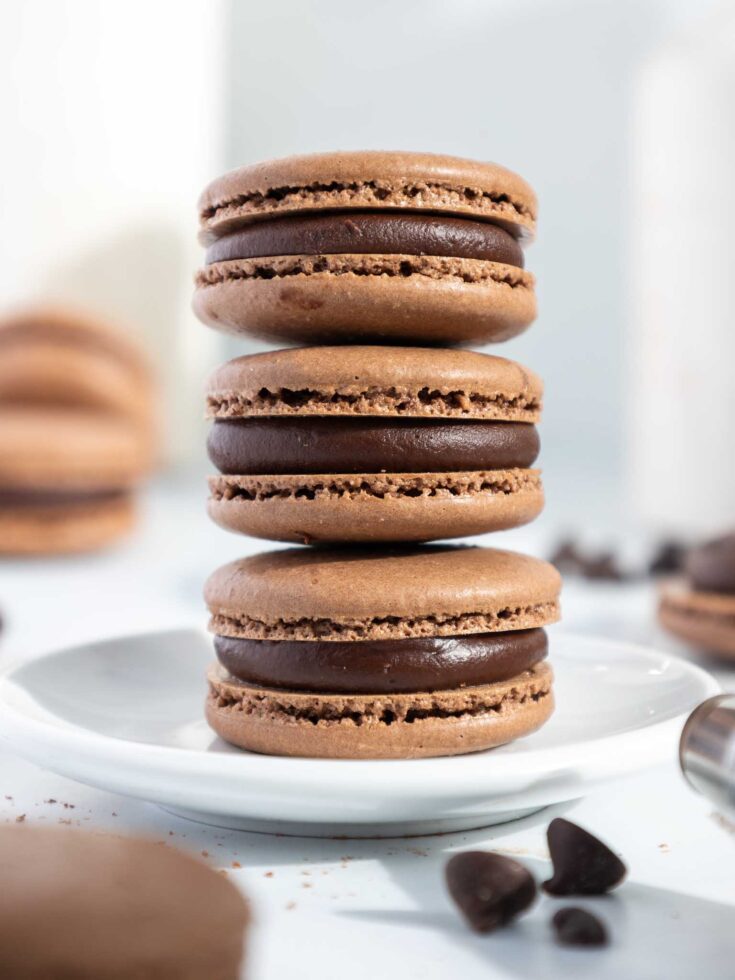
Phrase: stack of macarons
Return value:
(377, 435)
(77, 431)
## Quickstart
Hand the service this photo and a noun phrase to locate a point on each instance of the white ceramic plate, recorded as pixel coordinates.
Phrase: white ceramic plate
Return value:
(126, 715)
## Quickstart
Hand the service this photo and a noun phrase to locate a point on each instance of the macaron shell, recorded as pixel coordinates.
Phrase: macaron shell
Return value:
(375, 507)
(703, 620)
(369, 180)
(66, 528)
(397, 726)
(46, 372)
(380, 381)
(44, 447)
(382, 593)
(74, 329)
(375, 298)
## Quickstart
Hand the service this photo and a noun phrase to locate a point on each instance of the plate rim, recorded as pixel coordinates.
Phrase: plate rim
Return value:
(20, 730)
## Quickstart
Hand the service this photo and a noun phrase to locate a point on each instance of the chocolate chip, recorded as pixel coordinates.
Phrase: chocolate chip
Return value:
(490, 889)
(578, 927)
(583, 865)
(602, 568)
(566, 556)
(668, 558)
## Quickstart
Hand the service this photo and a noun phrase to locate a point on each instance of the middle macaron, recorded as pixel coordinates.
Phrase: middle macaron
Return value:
(370, 444)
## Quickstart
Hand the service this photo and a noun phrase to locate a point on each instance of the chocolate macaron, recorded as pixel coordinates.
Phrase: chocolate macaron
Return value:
(369, 444)
(386, 653)
(700, 609)
(368, 246)
(57, 356)
(85, 906)
(66, 479)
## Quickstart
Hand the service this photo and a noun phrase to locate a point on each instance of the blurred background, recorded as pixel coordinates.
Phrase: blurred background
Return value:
(619, 113)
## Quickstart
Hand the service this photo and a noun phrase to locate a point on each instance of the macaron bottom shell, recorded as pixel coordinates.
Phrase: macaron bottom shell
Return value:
(395, 726)
(65, 528)
(375, 507)
(358, 298)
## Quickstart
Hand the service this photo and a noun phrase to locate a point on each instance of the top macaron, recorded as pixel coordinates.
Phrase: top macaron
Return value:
(368, 247)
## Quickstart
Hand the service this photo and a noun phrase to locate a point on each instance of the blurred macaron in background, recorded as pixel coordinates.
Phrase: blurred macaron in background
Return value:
(78, 430)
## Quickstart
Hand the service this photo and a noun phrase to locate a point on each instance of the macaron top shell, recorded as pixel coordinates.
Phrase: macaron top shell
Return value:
(93, 905)
(72, 328)
(62, 357)
(424, 182)
(62, 448)
(389, 593)
(348, 381)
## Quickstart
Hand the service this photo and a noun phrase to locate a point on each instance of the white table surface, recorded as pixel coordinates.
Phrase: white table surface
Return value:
(330, 908)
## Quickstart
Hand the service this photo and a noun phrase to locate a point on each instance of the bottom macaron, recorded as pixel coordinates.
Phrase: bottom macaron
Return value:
(378, 726)
(380, 653)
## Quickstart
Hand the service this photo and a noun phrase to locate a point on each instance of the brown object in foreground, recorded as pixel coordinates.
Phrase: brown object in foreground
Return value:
(578, 927)
(355, 597)
(342, 255)
(583, 865)
(86, 906)
(490, 889)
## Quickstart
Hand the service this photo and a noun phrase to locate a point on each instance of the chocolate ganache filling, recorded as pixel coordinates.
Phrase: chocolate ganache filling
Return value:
(380, 233)
(277, 446)
(421, 663)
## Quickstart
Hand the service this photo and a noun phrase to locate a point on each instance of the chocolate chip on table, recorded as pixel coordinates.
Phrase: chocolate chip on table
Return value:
(602, 568)
(583, 865)
(667, 559)
(490, 889)
(578, 927)
(566, 556)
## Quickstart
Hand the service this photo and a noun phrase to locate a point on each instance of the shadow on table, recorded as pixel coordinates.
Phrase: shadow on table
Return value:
(655, 933)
